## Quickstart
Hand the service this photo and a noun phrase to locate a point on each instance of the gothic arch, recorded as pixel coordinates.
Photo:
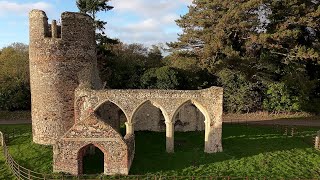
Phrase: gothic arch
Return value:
(81, 154)
(164, 113)
(108, 100)
(112, 114)
(170, 125)
(156, 121)
(197, 104)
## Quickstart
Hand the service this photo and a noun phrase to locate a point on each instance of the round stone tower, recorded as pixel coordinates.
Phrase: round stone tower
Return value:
(61, 58)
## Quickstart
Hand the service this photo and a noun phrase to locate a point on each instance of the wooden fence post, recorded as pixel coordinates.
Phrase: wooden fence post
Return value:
(19, 173)
(1, 139)
(292, 131)
(286, 131)
(316, 141)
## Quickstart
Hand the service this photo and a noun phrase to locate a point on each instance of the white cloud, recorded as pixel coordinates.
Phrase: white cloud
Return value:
(151, 22)
(144, 25)
(148, 7)
(7, 7)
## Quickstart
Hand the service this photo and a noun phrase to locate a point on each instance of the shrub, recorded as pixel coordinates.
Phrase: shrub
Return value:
(279, 99)
(240, 95)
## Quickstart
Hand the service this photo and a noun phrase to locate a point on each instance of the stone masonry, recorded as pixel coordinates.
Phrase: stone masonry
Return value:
(72, 112)
(61, 57)
(208, 101)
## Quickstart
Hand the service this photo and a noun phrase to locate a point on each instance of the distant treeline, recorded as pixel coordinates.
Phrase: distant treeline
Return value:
(264, 53)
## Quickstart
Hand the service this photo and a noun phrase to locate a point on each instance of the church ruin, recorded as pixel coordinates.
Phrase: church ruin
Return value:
(72, 112)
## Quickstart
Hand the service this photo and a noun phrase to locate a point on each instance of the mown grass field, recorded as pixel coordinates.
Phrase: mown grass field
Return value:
(254, 151)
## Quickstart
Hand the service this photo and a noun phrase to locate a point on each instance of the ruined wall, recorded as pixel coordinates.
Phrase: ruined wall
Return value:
(170, 102)
(118, 151)
(61, 58)
(189, 118)
(150, 118)
(110, 113)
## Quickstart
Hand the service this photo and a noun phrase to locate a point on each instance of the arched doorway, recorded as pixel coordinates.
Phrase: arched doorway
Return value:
(148, 117)
(91, 160)
(112, 115)
(149, 126)
(189, 127)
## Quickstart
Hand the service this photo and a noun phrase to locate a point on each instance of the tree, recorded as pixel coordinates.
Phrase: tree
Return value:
(292, 37)
(128, 62)
(266, 42)
(293, 31)
(14, 78)
(126, 65)
(92, 7)
(160, 78)
(215, 30)
(191, 76)
(240, 95)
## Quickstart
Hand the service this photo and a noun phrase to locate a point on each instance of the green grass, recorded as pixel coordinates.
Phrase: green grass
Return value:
(28, 154)
(4, 170)
(255, 151)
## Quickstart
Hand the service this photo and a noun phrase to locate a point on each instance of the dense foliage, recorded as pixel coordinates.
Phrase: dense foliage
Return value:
(14, 78)
(265, 53)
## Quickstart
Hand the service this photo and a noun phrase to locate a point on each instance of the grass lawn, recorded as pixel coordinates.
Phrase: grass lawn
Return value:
(255, 151)
(4, 170)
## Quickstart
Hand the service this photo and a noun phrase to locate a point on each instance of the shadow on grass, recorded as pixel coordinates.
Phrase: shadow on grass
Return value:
(255, 150)
(31, 155)
(239, 141)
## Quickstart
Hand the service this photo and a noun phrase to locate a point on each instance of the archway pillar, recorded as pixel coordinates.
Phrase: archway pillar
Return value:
(169, 137)
(207, 131)
(213, 132)
(129, 128)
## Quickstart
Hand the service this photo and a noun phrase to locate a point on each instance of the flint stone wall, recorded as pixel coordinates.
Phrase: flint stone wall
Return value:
(61, 58)
(170, 102)
(150, 118)
(118, 151)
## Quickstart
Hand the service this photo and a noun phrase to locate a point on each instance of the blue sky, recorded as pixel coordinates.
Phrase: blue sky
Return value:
(132, 21)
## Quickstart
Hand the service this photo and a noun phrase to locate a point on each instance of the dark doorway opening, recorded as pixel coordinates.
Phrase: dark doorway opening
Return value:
(92, 160)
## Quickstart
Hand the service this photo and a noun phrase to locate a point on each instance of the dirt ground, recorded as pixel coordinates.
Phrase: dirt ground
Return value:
(264, 118)
(289, 122)
(19, 121)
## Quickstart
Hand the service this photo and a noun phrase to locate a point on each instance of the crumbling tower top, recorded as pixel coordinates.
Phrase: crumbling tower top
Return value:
(74, 27)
